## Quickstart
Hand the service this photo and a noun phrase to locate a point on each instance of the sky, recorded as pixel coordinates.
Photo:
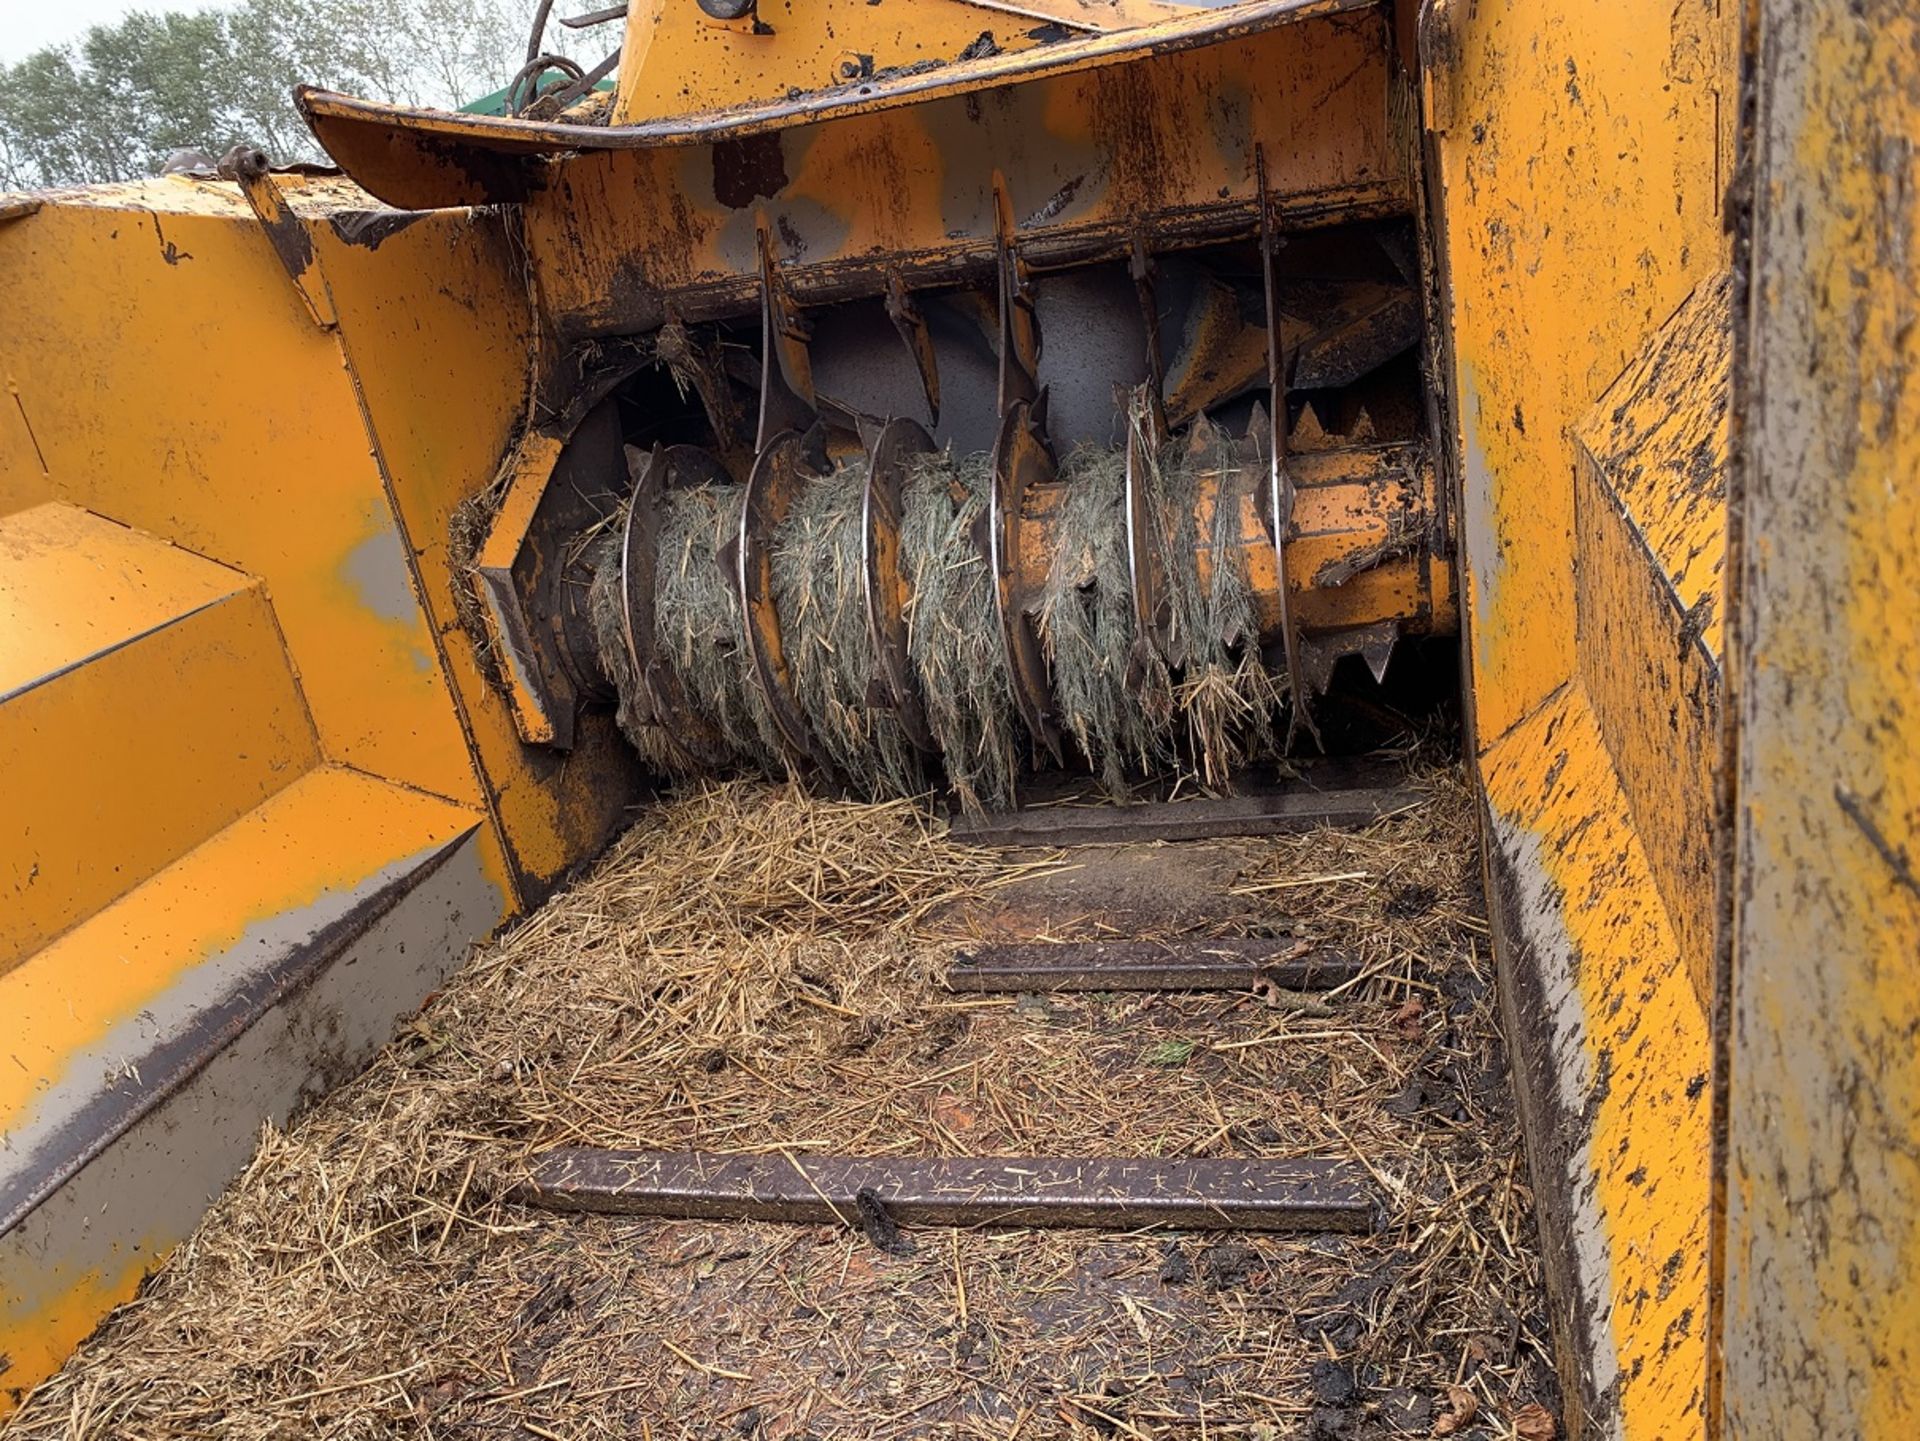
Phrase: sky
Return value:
(28, 25)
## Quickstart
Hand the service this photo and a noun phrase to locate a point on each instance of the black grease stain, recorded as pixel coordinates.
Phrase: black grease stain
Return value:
(169, 252)
(748, 168)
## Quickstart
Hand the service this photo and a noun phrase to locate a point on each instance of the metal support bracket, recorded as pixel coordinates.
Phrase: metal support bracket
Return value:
(1280, 492)
(1023, 462)
(1019, 322)
(912, 325)
(787, 399)
(787, 465)
(790, 454)
(662, 700)
(285, 231)
(883, 578)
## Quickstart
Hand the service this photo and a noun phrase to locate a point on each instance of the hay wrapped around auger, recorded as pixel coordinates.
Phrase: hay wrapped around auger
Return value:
(953, 630)
(1195, 697)
(1225, 695)
(1201, 699)
(698, 633)
(819, 597)
(1116, 709)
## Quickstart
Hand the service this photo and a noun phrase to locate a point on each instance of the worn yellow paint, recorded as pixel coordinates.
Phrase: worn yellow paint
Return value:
(1583, 152)
(1656, 695)
(437, 329)
(122, 762)
(528, 471)
(1821, 1329)
(1650, 513)
(1581, 155)
(1615, 1042)
(177, 384)
(37, 1340)
(1660, 439)
(23, 479)
(331, 829)
(73, 584)
(678, 61)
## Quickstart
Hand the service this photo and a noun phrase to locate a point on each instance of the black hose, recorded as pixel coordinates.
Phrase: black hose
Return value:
(527, 77)
(539, 36)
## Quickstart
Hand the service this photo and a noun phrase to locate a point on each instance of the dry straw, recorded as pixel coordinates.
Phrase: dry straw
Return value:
(753, 970)
(1086, 621)
(1224, 695)
(1198, 699)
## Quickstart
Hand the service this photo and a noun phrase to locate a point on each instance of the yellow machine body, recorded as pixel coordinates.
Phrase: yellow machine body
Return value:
(277, 454)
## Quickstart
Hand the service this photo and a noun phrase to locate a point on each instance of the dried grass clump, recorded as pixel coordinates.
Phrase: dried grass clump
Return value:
(467, 531)
(699, 629)
(820, 597)
(953, 629)
(605, 605)
(1205, 700)
(1224, 695)
(1087, 628)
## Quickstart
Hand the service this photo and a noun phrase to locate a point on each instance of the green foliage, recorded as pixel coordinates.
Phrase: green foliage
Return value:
(114, 104)
(1170, 1053)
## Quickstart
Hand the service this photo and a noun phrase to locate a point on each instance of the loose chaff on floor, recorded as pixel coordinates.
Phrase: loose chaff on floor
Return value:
(753, 971)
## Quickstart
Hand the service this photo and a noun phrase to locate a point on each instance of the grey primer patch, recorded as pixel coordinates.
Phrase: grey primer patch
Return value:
(1476, 488)
(378, 569)
(1533, 906)
(320, 1026)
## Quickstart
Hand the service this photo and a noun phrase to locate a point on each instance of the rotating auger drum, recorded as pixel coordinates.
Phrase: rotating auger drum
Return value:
(871, 599)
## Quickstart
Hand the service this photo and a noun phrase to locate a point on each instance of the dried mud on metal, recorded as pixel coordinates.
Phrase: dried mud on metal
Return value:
(751, 970)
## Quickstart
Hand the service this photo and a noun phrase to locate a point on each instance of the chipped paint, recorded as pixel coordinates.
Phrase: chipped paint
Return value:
(1579, 155)
(1611, 1047)
(299, 1001)
(1821, 1240)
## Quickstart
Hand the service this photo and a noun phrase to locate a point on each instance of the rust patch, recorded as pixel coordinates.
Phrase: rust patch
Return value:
(749, 168)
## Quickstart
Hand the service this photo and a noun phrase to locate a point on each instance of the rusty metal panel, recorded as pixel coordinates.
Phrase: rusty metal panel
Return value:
(430, 158)
(1160, 148)
(1209, 965)
(1821, 1242)
(1208, 1195)
(1276, 812)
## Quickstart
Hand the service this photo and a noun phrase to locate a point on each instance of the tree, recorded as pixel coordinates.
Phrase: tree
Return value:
(114, 104)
